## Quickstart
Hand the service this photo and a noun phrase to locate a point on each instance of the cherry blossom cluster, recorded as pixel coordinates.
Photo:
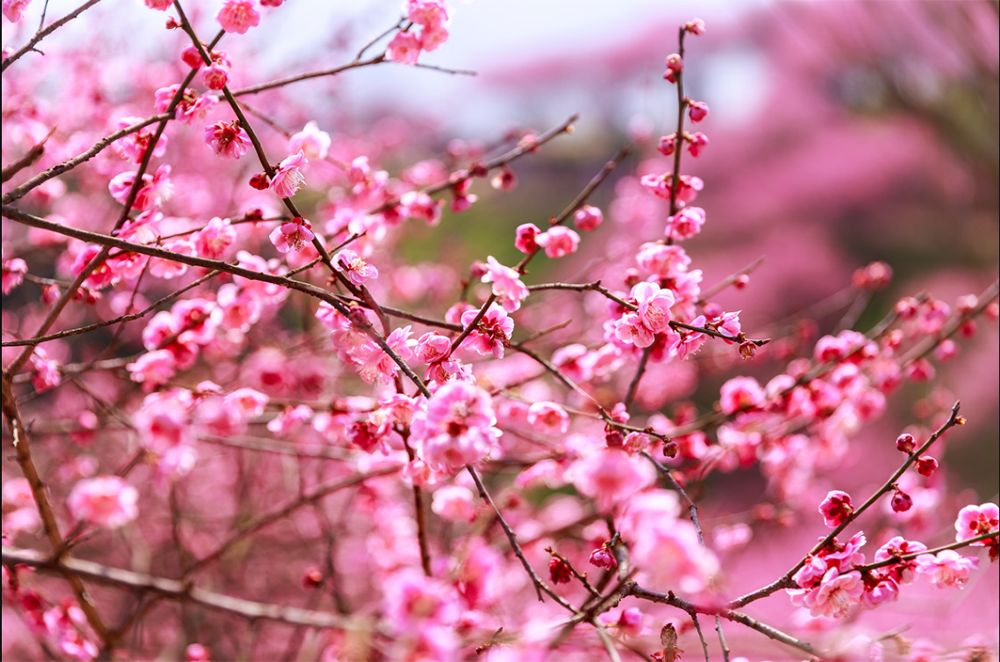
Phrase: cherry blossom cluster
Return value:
(224, 385)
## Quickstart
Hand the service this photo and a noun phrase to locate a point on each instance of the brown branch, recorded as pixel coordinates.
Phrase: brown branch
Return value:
(785, 581)
(173, 589)
(737, 617)
(540, 585)
(42, 34)
(22, 447)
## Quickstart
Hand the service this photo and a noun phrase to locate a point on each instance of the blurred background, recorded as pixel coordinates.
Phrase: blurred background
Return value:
(841, 131)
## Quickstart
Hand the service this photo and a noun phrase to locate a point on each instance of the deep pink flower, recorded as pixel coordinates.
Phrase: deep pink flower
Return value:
(492, 333)
(697, 110)
(835, 508)
(588, 218)
(527, 234)
(741, 393)
(974, 521)
(227, 139)
(13, 273)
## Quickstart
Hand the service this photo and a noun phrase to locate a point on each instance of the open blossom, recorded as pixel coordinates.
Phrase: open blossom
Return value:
(946, 569)
(238, 16)
(836, 594)
(432, 17)
(292, 236)
(106, 501)
(227, 139)
(610, 476)
(836, 508)
(548, 417)
(558, 241)
(311, 141)
(457, 427)
(974, 521)
(507, 285)
(355, 267)
(454, 503)
(491, 334)
(213, 240)
(741, 393)
(403, 48)
(686, 223)
(654, 305)
(631, 330)
(288, 177)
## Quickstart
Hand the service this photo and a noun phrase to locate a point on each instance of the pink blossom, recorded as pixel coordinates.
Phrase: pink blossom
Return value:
(685, 224)
(548, 417)
(492, 334)
(610, 476)
(288, 177)
(507, 285)
(630, 329)
(13, 273)
(697, 142)
(454, 503)
(946, 569)
(215, 76)
(404, 48)
(835, 508)
(45, 372)
(153, 369)
(159, 5)
(456, 428)
(227, 139)
(12, 9)
(836, 594)
(588, 218)
(654, 305)
(697, 110)
(526, 237)
(558, 241)
(902, 572)
(292, 236)
(311, 141)
(238, 16)
(357, 270)
(106, 501)
(432, 17)
(974, 521)
(740, 394)
(213, 240)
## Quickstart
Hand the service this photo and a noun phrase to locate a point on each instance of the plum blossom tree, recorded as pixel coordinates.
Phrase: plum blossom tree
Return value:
(243, 427)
